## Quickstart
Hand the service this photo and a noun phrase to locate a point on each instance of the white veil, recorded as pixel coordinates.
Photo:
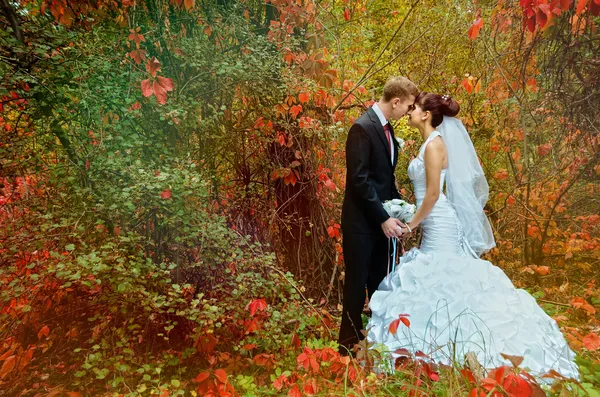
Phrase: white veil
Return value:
(466, 186)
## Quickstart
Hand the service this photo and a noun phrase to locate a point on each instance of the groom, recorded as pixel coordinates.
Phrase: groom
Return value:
(371, 156)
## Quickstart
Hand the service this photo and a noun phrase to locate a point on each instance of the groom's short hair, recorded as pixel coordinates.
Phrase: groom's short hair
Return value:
(399, 87)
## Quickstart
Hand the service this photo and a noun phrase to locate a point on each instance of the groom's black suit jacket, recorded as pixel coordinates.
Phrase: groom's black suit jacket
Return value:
(370, 176)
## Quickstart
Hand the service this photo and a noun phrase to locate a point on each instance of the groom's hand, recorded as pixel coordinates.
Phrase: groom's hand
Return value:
(391, 228)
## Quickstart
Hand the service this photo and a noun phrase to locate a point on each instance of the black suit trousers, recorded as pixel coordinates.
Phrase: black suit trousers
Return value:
(366, 258)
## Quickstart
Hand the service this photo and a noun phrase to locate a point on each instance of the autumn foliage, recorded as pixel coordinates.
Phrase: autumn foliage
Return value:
(171, 177)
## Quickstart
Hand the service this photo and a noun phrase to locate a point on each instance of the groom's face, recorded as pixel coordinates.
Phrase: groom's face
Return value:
(400, 106)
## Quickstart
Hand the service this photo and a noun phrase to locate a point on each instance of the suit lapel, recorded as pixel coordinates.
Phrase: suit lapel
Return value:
(396, 145)
(381, 134)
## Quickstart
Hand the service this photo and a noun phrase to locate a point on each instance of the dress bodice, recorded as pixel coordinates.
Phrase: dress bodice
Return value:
(441, 229)
(416, 172)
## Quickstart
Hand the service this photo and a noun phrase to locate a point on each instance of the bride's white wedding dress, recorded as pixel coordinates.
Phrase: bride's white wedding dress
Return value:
(458, 303)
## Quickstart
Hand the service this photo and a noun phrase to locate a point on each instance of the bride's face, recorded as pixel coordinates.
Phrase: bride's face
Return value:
(415, 116)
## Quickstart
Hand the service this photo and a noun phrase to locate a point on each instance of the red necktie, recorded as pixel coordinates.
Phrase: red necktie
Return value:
(386, 128)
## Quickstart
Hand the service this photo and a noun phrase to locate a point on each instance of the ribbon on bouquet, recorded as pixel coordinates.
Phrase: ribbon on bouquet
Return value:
(395, 244)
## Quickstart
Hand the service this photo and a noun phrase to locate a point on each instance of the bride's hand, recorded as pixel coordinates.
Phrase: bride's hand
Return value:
(405, 229)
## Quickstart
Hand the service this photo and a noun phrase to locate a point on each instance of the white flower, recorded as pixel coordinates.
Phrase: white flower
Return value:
(400, 209)
(400, 142)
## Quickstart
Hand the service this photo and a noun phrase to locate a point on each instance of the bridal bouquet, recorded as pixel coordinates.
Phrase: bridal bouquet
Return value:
(400, 209)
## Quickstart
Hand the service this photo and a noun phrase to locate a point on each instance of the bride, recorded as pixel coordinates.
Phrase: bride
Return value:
(456, 302)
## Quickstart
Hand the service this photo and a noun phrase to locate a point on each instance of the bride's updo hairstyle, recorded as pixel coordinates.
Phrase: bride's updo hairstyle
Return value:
(438, 105)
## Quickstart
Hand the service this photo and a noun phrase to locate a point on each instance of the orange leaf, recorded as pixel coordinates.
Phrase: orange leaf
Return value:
(189, 4)
(26, 358)
(73, 394)
(565, 4)
(207, 30)
(295, 110)
(580, 6)
(466, 83)
(592, 342)
(517, 154)
(475, 28)
(542, 270)
(303, 97)
(45, 331)
(394, 326)
(501, 175)
(514, 360)
(405, 321)
(8, 366)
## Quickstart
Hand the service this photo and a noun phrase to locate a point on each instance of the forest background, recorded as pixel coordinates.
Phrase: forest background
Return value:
(171, 177)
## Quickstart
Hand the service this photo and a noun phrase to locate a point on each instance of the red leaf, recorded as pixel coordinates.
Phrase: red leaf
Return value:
(257, 305)
(310, 387)
(580, 6)
(136, 37)
(303, 97)
(329, 183)
(165, 83)
(202, 376)
(138, 56)
(160, 92)
(530, 23)
(153, 66)
(221, 375)
(166, 194)
(565, 4)
(296, 341)
(295, 110)
(147, 88)
(394, 326)
(295, 392)
(475, 28)
(346, 14)
(595, 8)
(591, 342)
(45, 331)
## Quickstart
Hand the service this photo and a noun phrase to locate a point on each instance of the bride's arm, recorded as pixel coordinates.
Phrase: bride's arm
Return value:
(434, 160)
